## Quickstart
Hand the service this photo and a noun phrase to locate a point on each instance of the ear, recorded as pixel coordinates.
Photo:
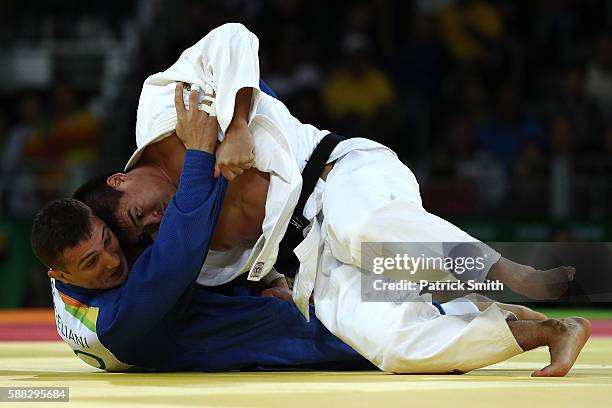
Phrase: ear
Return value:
(58, 275)
(115, 180)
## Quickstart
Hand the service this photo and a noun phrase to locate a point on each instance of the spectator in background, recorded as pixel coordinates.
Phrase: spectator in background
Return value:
(72, 131)
(45, 153)
(29, 123)
(446, 192)
(471, 29)
(474, 97)
(486, 174)
(307, 105)
(294, 68)
(571, 102)
(357, 93)
(509, 132)
(529, 183)
(18, 182)
(419, 65)
(529, 187)
(561, 180)
(466, 91)
(476, 182)
(418, 69)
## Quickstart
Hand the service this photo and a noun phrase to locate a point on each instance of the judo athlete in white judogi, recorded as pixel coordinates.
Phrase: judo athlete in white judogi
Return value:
(368, 196)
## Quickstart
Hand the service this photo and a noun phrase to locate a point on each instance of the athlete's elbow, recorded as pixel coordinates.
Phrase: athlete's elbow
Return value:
(232, 29)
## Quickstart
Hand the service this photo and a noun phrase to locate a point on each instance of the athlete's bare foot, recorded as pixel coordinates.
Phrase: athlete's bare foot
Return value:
(567, 338)
(544, 285)
(530, 282)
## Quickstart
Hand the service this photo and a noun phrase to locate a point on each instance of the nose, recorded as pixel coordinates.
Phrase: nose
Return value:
(152, 221)
(111, 261)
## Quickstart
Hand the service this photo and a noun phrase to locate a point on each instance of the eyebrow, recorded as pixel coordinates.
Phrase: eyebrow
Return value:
(92, 253)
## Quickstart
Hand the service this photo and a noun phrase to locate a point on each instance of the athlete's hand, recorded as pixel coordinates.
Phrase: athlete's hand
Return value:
(194, 127)
(235, 154)
(280, 290)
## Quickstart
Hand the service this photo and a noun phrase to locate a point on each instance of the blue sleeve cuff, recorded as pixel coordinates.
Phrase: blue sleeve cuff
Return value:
(198, 162)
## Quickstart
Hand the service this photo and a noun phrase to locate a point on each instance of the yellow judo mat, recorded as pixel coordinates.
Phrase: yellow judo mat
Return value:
(508, 384)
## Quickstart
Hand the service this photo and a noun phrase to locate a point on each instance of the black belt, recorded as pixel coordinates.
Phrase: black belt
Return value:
(286, 261)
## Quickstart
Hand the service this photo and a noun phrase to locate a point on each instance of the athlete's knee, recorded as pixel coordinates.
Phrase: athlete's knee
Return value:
(346, 238)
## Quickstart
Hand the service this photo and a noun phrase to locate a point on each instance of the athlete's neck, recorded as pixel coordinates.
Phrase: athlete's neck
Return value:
(166, 157)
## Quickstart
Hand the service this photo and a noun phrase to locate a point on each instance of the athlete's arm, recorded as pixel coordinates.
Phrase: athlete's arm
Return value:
(235, 154)
(226, 59)
(166, 269)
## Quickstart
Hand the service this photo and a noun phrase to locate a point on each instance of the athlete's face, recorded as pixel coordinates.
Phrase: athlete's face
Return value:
(96, 262)
(144, 201)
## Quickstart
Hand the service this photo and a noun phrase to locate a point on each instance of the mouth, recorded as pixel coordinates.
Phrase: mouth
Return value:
(121, 270)
(117, 274)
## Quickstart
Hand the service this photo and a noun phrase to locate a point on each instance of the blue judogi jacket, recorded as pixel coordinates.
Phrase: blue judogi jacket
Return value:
(158, 320)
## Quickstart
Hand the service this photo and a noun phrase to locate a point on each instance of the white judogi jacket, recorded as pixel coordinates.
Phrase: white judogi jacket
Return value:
(226, 59)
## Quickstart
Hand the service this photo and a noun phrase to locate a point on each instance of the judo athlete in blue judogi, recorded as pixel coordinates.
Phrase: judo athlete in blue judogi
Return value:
(152, 317)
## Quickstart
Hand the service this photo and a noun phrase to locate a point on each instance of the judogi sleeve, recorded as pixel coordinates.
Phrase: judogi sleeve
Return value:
(226, 59)
(165, 270)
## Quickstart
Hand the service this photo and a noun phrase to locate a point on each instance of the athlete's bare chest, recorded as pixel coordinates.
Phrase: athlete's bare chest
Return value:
(243, 210)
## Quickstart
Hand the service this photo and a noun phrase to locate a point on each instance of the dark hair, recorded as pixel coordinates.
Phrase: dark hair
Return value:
(59, 225)
(104, 201)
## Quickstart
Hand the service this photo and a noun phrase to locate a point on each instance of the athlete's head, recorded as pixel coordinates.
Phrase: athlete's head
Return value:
(77, 246)
(132, 203)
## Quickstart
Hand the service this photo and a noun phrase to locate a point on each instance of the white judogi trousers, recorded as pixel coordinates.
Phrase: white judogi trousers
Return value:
(370, 196)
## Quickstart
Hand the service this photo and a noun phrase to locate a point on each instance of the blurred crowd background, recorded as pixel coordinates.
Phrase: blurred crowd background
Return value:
(503, 109)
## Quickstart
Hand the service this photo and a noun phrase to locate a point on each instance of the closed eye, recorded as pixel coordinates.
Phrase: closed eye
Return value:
(135, 215)
(91, 262)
